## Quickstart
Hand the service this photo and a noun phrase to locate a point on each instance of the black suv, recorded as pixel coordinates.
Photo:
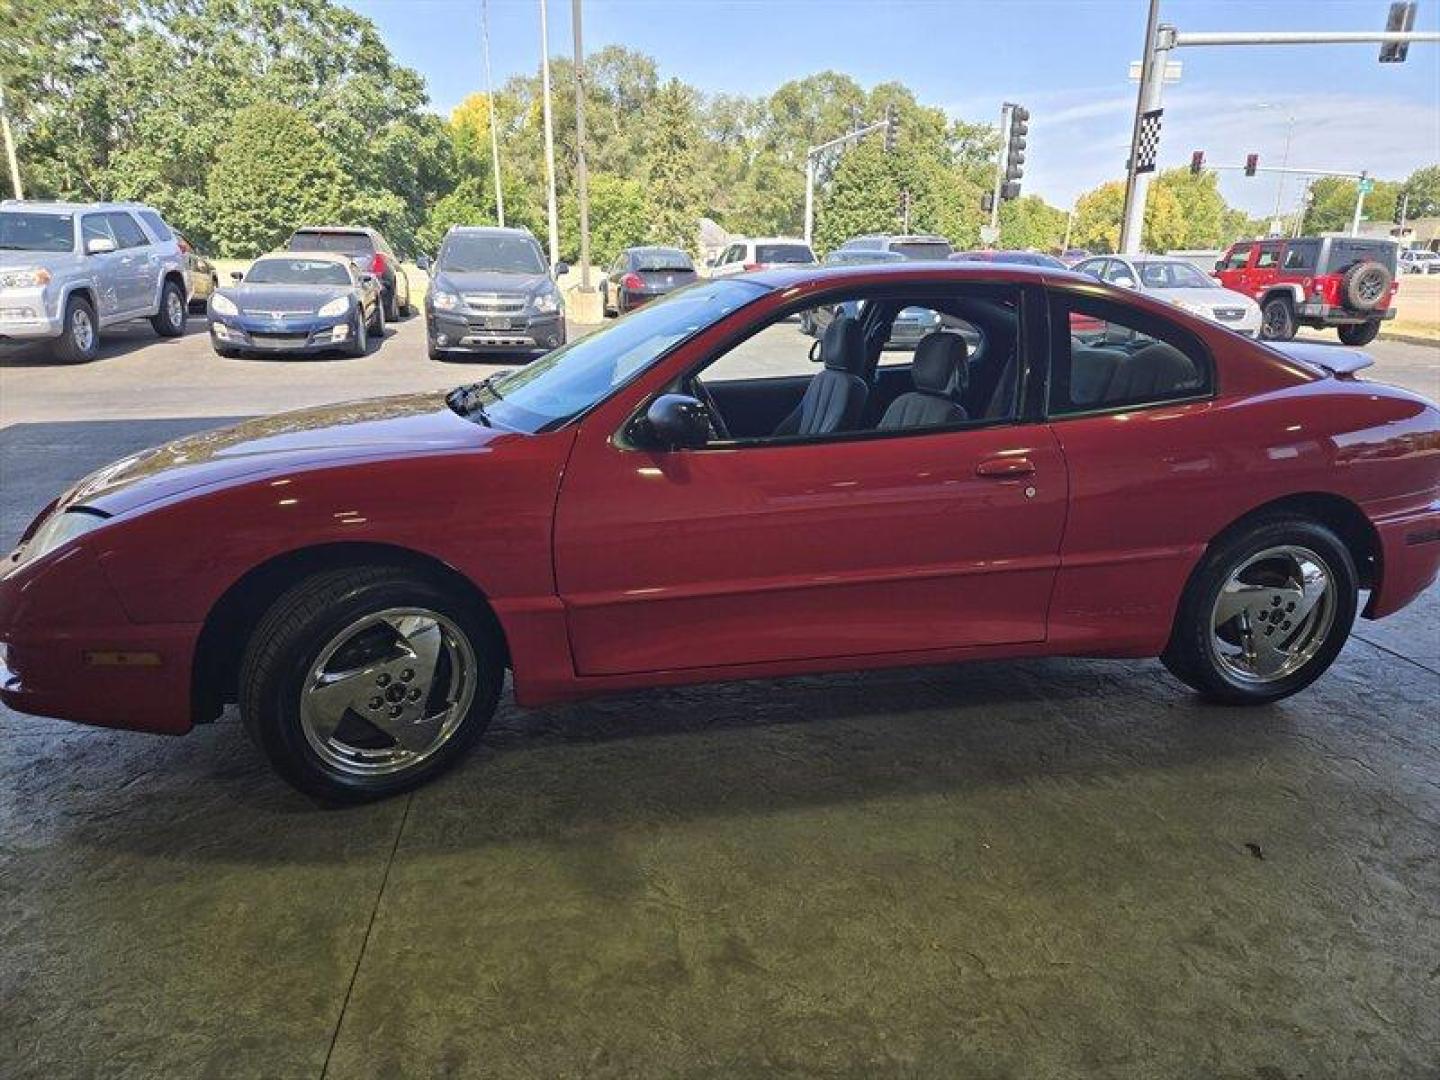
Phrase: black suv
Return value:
(371, 252)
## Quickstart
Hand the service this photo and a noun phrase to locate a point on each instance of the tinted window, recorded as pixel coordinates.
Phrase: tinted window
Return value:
(95, 227)
(157, 226)
(1301, 255)
(464, 254)
(784, 253)
(297, 272)
(37, 232)
(662, 259)
(1114, 357)
(1267, 258)
(1238, 258)
(345, 243)
(922, 249)
(127, 233)
(1345, 253)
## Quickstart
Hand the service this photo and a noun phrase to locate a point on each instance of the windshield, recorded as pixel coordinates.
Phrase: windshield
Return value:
(497, 254)
(783, 253)
(297, 272)
(1172, 275)
(662, 259)
(37, 232)
(569, 380)
(922, 249)
(343, 243)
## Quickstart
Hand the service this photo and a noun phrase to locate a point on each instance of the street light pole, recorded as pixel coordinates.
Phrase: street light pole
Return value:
(494, 125)
(1359, 204)
(809, 198)
(582, 170)
(549, 136)
(1147, 100)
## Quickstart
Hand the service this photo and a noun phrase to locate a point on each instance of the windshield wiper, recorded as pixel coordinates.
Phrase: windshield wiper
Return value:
(466, 400)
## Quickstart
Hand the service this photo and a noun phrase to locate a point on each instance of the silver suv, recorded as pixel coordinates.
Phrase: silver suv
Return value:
(69, 270)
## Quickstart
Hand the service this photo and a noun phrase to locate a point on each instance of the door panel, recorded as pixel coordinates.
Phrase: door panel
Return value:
(719, 557)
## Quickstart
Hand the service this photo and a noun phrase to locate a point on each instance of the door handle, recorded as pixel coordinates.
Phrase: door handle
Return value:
(1001, 468)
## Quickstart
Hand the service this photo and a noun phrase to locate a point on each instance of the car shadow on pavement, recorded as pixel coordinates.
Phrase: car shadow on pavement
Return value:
(115, 342)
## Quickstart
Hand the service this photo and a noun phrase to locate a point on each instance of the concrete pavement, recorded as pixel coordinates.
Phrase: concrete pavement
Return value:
(1038, 869)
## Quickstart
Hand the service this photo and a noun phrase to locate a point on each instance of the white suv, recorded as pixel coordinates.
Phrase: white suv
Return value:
(69, 270)
(761, 253)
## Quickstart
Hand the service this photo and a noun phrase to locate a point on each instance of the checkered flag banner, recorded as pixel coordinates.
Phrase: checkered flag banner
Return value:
(1147, 146)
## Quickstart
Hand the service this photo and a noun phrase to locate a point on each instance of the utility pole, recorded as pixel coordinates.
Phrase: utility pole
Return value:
(1160, 40)
(549, 136)
(582, 171)
(10, 146)
(1360, 188)
(1005, 111)
(494, 117)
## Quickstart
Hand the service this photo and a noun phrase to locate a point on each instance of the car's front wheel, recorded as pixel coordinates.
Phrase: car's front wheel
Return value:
(79, 337)
(1277, 319)
(1359, 333)
(1266, 612)
(361, 683)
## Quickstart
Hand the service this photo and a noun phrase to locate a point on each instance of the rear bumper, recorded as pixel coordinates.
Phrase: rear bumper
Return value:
(1409, 559)
(1341, 316)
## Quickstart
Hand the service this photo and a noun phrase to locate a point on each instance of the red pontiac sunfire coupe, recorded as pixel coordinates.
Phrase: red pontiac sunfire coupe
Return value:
(938, 462)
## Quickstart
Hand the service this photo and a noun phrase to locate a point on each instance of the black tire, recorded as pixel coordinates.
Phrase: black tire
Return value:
(1359, 333)
(226, 352)
(360, 339)
(79, 340)
(1190, 655)
(1277, 319)
(289, 639)
(377, 323)
(1364, 285)
(438, 355)
(392, 303)
(169, 321)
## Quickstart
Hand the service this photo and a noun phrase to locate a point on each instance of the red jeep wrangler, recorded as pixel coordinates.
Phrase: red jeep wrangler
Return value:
(1341, 281)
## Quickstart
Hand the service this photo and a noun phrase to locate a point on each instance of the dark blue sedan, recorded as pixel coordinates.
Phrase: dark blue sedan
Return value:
(298, 304)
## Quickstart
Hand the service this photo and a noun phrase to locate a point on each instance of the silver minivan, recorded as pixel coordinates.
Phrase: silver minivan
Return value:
(69, 270)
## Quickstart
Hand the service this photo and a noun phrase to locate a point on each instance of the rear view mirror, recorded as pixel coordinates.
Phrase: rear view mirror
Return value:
(99, 245)
(678, 422)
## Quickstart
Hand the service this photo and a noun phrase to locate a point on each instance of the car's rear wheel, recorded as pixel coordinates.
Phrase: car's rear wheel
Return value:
(1277, 319)
(80, 337)
(364, 682)
(377, 322)
(1266, 612)
(169, 321)
(1360, 333)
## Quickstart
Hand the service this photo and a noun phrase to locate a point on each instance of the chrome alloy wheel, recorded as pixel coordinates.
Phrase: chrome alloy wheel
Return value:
(1273, 614)
(82, 329)
(175, 307)
(388, 691)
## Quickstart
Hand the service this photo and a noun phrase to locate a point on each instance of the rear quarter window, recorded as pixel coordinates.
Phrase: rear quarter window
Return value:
(156, 224)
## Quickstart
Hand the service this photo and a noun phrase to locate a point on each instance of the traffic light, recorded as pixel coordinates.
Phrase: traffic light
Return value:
(987, 202)
(892, 127)
(1197, 162)
(1401, 20)
(1252, 162)
(1015, 152)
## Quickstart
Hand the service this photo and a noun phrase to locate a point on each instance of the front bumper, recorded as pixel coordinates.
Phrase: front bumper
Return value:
(456, 331)
(306, 335)
(28, 314)
(1331, 315)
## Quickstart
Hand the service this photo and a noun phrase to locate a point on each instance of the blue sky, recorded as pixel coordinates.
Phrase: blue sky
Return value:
(1064, 59)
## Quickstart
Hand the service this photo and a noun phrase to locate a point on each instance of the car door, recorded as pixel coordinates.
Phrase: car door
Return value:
(1265, 266)
(859, 544)
(103, 267)
(137, 278)
(1234, 272)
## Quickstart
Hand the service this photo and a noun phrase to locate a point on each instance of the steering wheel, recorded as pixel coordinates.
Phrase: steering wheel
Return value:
(697, 390)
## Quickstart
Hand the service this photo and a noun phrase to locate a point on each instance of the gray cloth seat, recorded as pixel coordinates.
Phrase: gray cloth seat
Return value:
(940, 375)
(836, 395)
(1158, 370)
(1091, 371)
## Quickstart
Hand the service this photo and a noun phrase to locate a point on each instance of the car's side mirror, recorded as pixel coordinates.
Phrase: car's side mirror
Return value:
(237, 276)
(423, 263)
(99, 245)
(561, 269)
(678, 422)
(1219, 265)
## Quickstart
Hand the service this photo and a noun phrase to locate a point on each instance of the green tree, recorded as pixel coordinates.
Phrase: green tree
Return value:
(863, 197)
(1096, 224)
(619, 218)
(1332, 204)
(1201, 207)
(1030, 222)
(468, 204)
(274, 174)
(1423, 187)
(672, 187)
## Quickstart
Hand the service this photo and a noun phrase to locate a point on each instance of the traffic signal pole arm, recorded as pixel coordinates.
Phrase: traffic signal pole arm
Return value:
(815, 153)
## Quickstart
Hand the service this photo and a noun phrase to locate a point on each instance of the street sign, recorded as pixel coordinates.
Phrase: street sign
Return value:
(989, 234)
(1367, 186)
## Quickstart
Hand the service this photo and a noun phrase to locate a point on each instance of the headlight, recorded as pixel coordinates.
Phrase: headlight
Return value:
(444, 301)
(29, 278)
(546, 303)
(223, 305)
(57, 529)
(339, 306)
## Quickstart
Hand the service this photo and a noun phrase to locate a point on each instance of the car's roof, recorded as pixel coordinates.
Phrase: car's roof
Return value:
(796, 276)
(55, 206)
(657, 247)
(771, 240)
(490, 230)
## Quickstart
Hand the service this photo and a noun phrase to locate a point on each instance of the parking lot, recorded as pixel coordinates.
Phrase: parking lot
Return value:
(1031, 869)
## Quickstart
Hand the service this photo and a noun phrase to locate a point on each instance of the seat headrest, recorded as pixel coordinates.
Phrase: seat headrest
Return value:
(939, 366)
(843, 347)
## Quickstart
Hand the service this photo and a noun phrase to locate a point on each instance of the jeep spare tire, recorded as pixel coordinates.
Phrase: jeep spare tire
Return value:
(1364, 286)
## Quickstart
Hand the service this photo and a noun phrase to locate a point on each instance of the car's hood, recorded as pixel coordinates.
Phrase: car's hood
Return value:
(492, 281)
(1210, 297)
(285, 298)
(271, 445)
(51, 260)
